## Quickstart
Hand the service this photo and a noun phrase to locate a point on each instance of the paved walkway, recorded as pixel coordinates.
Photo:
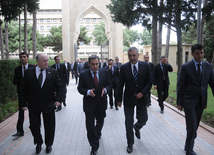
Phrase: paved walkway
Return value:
(164, 134)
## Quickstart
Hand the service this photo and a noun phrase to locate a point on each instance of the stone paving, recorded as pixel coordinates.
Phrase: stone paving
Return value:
(164, 134)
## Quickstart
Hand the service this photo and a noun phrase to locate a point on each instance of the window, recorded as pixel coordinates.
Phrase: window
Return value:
(48, 20)
(82, 20)
(48, 27)
(42, 28)
(22, 21)
(42, 20)
(55, 20)
(88, 27)
(60, 19)
(101, 19)
(87, 19)
(42, 35)
(94, 19)
(29, 21)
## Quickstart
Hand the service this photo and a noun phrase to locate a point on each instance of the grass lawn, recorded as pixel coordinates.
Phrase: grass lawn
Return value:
(208, 114)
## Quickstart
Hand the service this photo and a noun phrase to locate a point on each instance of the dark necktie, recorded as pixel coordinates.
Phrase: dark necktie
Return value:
(40, 78)
(117, 64)
(135, 73)
(95, 79)
(24, 71)
(163, 73)
(199, 71)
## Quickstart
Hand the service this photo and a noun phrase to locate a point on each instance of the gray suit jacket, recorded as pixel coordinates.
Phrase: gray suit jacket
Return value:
(189, 87)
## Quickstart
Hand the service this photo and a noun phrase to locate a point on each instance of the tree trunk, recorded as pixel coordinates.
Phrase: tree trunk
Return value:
(167, 41)
(212, 62)
(159, 41)
(179, 36)
(20, 35)
(203, 22)
(154, 36)
(34, 35)
(25, 29)
(1, 41)
(6, 40)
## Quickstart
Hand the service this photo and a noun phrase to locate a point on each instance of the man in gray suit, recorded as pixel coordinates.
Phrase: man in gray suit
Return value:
(192, 86)
(117, 63)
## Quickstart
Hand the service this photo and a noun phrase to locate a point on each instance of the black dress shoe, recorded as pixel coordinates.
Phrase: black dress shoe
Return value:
(48, 149)
(116, 108)
(149, 104)
(111, 107)
(38, 148)
(18, 134)
(93, 152)
(137, 133)
(58, 110)
(129, 149)
(64, 104)
(162, 112)
(99, 135)
(191, 153)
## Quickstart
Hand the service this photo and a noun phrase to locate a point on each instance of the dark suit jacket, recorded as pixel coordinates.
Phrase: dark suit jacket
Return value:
(189, 88)
(158, 74)
(86, 82)
(62, 73)
(132, 87)
(17, 79)
(114, 77)
(86, 65)
(105, 64)
(37, 98)
(119, 65)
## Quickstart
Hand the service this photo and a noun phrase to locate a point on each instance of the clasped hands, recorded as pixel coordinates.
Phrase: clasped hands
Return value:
(91, 93)
(138, 96)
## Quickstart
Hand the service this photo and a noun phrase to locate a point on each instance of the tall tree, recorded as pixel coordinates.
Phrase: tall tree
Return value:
(129, 37)
(146, 37)
(83, 37)
(6, 40)
(99, 34)
(1, 41)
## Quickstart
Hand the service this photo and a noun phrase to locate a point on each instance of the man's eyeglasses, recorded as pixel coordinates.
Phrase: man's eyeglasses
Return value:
(22, 57)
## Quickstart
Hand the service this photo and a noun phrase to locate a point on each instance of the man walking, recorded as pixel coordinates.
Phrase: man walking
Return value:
(193, 81)
(136, 77)
(61, 70)
(117, 63)
(17, 80)
(161, 80)
(94, 83)
(41, 89)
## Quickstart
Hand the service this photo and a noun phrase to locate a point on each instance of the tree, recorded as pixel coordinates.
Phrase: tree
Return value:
(83, 37)
(146, 37)
(129, 37)
(99, 34)
(54, 39)
(189, 36)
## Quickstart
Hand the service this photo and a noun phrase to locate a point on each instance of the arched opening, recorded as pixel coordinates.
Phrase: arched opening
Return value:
(88, 21)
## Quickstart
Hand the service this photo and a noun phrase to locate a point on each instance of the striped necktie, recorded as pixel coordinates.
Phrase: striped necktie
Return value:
(135, 73)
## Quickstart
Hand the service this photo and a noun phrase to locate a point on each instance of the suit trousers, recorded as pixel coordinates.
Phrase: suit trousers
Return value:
(142, 117)
(49, 126)
(115, 89)
(63, 97)
(162, 94)
(94, 129)
(20, 122)
(193, 117)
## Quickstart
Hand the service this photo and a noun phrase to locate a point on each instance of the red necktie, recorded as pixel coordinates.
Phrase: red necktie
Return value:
(95, 79)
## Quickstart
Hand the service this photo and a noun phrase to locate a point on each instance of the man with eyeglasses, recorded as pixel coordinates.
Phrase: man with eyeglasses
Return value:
(17, 80)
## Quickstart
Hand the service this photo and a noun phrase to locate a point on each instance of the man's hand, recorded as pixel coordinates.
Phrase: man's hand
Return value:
(57, 104)
(103, 91)
(119, 104)
(155, 86)
(91, 93)
(166, 60)
(24, 108)
(179, 107)
(139, 95)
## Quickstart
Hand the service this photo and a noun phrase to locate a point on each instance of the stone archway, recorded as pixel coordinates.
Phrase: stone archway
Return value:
(73, 11)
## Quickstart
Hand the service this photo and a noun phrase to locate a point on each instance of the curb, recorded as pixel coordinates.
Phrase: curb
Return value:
(203, 125)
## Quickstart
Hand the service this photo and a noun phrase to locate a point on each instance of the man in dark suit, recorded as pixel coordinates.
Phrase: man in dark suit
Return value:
(161, 80)
(117, 63)
(151, 66)
(40, 93)
(61, 69)
(94, 83)
(86, 66)
(75, 69)
(17, 80)
(193, 81)
(105, 63)
(136, 77)
(114, 76)
(68, 69)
